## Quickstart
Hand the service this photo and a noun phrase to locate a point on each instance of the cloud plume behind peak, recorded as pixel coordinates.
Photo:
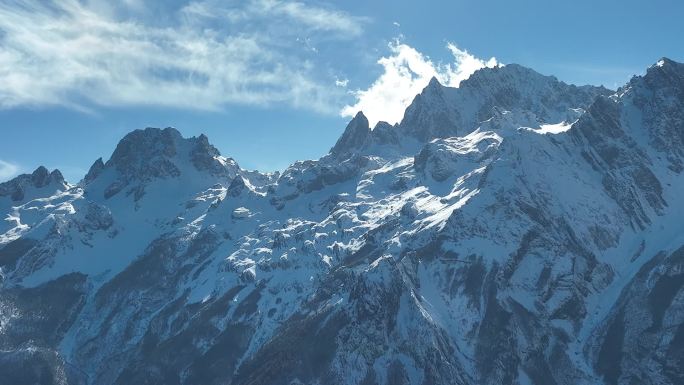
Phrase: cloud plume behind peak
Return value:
(406, 71)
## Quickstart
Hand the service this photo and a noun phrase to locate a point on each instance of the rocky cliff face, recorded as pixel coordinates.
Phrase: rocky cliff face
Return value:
(516, 230)
(27, 186)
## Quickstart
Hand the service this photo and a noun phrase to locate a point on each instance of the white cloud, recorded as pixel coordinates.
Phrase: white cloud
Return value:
(341, 82)
(8, 170)
(316, 18)
(313, 18)
(211, 54)
(406, 73)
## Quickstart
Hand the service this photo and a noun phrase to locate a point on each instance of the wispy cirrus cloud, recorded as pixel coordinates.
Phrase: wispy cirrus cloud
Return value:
(207, 56)
(8, 170)
(275, 12)
(405, 73)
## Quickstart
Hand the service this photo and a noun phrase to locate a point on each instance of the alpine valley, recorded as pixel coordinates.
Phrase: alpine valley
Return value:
(513, 230)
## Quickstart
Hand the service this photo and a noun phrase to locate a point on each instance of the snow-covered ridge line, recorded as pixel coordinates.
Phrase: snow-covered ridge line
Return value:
(510, 231)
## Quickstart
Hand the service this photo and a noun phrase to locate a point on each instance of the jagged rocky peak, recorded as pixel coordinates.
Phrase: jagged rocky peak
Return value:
(94, 170)
(358, 138)
(667, 67)
(141, 147)
(510, 75)
(146, 154)
(155, 152)
(433, 113)
(355, 136)
(665, 76)
(385, 134)
(206, 157)
(515, 87)
(433, 86)
(432, 92)
(653, 105)
(440, 111)
(40, 178)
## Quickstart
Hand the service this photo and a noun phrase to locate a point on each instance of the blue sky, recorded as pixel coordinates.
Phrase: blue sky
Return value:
(272, 81)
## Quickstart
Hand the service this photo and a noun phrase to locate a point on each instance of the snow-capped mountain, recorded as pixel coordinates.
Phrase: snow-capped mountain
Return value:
(514, 230)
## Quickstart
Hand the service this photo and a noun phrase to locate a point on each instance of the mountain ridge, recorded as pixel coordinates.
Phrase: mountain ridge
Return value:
(513, 230)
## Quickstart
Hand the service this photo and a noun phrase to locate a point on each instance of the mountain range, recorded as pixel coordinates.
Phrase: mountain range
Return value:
(513, 230)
